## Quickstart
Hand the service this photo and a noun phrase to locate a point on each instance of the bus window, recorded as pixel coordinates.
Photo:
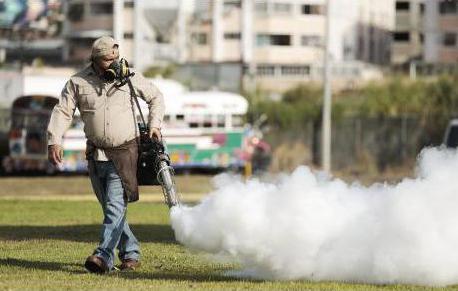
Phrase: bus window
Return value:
(77, 123)
(221, 120)
(35, 142)
(207, 121)
(29, 119)
(237, 120)
(194, 121)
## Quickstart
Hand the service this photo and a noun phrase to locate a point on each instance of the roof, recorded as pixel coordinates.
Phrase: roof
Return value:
(203, 102)
(44, 85)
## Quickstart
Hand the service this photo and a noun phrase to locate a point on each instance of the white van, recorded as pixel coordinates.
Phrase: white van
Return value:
(451, 134)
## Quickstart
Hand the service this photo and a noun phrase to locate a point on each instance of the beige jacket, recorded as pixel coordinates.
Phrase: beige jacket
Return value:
(105, 110)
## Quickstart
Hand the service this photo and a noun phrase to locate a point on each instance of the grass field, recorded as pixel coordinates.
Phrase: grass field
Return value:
(44, 242)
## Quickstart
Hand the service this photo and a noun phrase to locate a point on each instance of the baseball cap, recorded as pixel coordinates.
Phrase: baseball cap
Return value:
(103, 46)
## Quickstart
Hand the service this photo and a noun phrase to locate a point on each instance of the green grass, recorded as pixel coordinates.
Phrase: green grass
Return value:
(75, 185)
(43, 245)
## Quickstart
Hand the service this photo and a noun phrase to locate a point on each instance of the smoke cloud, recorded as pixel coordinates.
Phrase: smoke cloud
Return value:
(310, 226)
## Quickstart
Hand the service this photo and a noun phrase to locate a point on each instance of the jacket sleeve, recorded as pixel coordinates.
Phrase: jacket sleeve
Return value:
(62, 114)
(154, 98)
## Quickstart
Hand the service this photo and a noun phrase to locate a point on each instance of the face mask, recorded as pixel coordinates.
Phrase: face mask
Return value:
(117, 70)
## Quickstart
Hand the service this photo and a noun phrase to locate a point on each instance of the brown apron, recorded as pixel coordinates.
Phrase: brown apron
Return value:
(124, 158)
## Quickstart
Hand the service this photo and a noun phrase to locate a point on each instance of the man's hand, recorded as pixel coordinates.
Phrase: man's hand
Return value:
(55, 154)
(155, 133)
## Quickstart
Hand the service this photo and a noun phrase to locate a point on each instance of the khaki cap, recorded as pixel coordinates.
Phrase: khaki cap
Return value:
(103, 46)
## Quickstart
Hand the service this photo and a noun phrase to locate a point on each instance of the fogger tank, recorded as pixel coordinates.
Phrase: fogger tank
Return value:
(154, 167)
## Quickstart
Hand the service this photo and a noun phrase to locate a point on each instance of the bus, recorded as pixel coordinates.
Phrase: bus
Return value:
(27, 135)
(205, 130)
(202, 130)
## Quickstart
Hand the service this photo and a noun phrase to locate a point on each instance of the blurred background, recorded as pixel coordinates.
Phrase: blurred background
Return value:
(243, 80)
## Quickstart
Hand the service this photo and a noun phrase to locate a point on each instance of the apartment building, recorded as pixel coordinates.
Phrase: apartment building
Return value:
(89, 20)
(441, 32)
(281, 42)
(149, 31)
(408, 36)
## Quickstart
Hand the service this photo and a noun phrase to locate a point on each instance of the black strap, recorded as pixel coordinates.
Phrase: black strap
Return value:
(133, 96)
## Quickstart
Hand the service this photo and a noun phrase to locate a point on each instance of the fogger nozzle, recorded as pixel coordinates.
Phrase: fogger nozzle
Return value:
(165, 177)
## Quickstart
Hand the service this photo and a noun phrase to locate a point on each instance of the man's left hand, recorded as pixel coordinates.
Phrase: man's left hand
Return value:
(155, 133)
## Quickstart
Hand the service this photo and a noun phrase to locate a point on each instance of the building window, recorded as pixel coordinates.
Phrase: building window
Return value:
(265, 70)
(129, 4)
(232, 35)
(422, 8)
(448, 6)
(311, 40)
(282, 8)
(401, 36)
(76, 12)
(402, 5)
(129, 35)
(295, 70)
(422, 38)
(312, 9)
(273, 39)
(260, 7)
(232, 4)
(200, 38)
(449, 39)
(101, 8)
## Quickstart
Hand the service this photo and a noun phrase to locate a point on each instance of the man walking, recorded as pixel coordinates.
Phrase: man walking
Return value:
(106, 108)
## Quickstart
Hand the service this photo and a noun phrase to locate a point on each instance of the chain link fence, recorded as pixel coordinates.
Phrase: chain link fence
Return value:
(371, 143)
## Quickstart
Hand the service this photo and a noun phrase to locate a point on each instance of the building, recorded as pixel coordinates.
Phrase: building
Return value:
(281, 42)
(441, 32)
(149, 32)
(88, 20)
(31, 30)
(408, 36)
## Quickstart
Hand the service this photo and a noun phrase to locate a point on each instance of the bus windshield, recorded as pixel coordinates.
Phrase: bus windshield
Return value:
(32, 112)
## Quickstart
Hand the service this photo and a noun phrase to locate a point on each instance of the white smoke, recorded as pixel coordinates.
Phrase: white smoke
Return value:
(309, 226)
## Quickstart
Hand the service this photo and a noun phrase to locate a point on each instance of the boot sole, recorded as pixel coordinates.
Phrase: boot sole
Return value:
(94, 268)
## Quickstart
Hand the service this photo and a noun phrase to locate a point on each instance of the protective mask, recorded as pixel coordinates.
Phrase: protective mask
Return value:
(117, 70)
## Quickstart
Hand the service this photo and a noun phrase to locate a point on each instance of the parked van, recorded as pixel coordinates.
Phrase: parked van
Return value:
(451, 134)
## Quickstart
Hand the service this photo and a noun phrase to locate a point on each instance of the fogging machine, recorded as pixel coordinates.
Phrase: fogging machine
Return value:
(154, 167)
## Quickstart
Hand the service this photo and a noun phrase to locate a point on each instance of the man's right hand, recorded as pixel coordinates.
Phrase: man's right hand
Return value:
(55, 154)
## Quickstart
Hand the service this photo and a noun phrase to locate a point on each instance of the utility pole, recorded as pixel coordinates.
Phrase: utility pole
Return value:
(248, 78)
(217, 39)
(181, 23)
(327, 98)
(138, 35)
(118, 23)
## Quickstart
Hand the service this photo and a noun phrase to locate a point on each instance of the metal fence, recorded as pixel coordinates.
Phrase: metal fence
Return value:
(366, 142)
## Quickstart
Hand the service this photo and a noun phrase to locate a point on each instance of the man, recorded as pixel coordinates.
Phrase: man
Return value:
(112, 151)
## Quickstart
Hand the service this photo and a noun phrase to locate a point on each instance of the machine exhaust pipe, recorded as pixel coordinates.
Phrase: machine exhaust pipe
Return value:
(154, 168)
(165, 176)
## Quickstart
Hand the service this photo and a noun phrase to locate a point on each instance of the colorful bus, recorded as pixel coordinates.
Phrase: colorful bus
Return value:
(27, 135)
(203, 130)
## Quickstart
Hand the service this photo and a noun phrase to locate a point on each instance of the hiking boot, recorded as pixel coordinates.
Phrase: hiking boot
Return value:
(96, 264)
(129, 264)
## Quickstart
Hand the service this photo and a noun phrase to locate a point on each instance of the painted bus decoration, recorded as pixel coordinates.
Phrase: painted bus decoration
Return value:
(202, 130)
